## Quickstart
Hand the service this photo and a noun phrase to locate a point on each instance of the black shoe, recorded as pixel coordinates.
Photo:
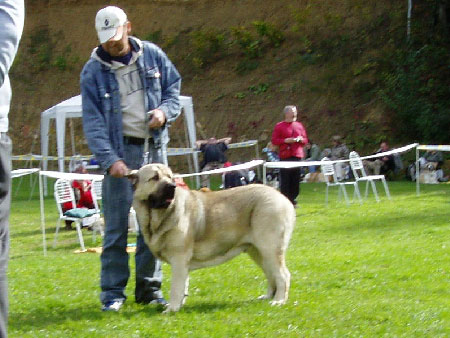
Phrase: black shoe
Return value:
(158, 301)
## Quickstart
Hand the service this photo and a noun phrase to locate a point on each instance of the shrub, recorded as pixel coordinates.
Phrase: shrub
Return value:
(417, 93)
(208, 47)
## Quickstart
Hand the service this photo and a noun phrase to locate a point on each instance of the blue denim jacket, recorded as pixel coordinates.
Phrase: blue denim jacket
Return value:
(102, 114)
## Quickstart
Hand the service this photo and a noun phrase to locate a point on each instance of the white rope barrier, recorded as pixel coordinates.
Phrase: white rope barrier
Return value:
(70, 176)
(442, 147)
(292, 164)
(23, 172)
(242, 166)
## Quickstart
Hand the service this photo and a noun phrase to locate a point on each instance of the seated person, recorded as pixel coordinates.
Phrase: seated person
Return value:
(433, 160)
(271, 151)
(380, 165)
(213, 155)
(83, 195)
(339, 151)
(312, 154)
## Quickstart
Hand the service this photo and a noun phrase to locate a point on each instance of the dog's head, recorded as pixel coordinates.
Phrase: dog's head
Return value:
(154, 184)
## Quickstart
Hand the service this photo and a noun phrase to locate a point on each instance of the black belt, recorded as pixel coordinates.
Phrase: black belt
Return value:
(133, 140)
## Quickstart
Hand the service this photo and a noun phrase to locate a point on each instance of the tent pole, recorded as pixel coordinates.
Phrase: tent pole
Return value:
(41, 200)
(417, 171)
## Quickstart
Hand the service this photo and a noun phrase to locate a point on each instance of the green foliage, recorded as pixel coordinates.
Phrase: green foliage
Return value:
(250, 45)
(254, 89)
(254, 45)
(371, 270)
(207, 47)
(418, 93)
(246, 65)
(274, 36)
(44, 52)
(41, 48)
(156, 37)
(240, 95)
(259, 88)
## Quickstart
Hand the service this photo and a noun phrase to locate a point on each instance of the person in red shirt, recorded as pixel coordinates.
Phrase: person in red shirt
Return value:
(83, 195)
(290, 136)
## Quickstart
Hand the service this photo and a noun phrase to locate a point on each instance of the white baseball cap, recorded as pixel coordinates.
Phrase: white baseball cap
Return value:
(109, 23)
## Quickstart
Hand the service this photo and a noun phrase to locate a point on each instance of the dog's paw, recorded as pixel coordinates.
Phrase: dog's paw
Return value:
(171, 309)
(277, 302)
(263, 297)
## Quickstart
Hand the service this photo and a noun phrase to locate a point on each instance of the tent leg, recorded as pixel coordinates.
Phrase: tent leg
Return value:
(41, 199)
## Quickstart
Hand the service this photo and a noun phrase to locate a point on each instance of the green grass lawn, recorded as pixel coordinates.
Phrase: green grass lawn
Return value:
(380, 269)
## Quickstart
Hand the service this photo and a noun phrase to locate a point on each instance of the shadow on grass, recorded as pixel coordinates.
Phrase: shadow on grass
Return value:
(208, 307)
(40, 318)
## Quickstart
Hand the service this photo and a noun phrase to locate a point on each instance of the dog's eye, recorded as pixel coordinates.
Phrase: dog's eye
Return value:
(155, 178)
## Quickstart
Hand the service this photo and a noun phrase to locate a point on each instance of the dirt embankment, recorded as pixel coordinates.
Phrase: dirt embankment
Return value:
(59, 37)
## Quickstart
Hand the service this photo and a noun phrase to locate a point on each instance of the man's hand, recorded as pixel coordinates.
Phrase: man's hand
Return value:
(118, 169)
(158, 119)
(293, 139)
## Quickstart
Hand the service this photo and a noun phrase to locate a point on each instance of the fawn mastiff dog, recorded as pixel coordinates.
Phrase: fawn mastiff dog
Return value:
(193, 229)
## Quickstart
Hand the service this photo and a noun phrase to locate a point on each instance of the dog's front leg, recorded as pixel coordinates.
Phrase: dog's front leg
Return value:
(180, 275)
(186, 290)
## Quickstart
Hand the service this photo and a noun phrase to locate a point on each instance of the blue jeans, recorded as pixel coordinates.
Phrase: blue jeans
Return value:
(312, 168)
(115, 272)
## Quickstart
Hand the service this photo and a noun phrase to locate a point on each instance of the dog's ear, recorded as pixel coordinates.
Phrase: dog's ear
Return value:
(133, 177)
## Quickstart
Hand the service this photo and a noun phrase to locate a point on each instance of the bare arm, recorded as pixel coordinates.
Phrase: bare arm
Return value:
(226, 140)
(199, 143)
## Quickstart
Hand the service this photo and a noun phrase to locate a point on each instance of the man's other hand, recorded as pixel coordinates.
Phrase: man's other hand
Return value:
(118, 169)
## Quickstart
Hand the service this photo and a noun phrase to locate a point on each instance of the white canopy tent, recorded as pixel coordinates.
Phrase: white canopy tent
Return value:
(71, 108)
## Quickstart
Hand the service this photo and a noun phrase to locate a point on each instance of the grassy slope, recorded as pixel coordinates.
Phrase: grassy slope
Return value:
(328, 64)
(371, 270)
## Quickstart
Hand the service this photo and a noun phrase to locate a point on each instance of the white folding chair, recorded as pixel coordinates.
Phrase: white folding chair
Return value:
(63, 193)
(133, 218)
(360, 175)
(328, 171)
(97, 192)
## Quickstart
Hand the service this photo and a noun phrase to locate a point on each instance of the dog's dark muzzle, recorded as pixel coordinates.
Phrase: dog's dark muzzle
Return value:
(164, 197)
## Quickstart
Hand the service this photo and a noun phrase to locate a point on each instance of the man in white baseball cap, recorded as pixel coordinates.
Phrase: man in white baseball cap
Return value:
(110, 22)
(130, 96)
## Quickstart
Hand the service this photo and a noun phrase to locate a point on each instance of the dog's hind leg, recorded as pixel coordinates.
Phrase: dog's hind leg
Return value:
(283, 280)
(274, 264)
(271, 285)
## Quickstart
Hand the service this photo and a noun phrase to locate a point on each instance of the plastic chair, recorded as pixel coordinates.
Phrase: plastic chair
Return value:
(63, 193)
(328, 171)
(97, 190)
(360, 175)
(134, 219)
